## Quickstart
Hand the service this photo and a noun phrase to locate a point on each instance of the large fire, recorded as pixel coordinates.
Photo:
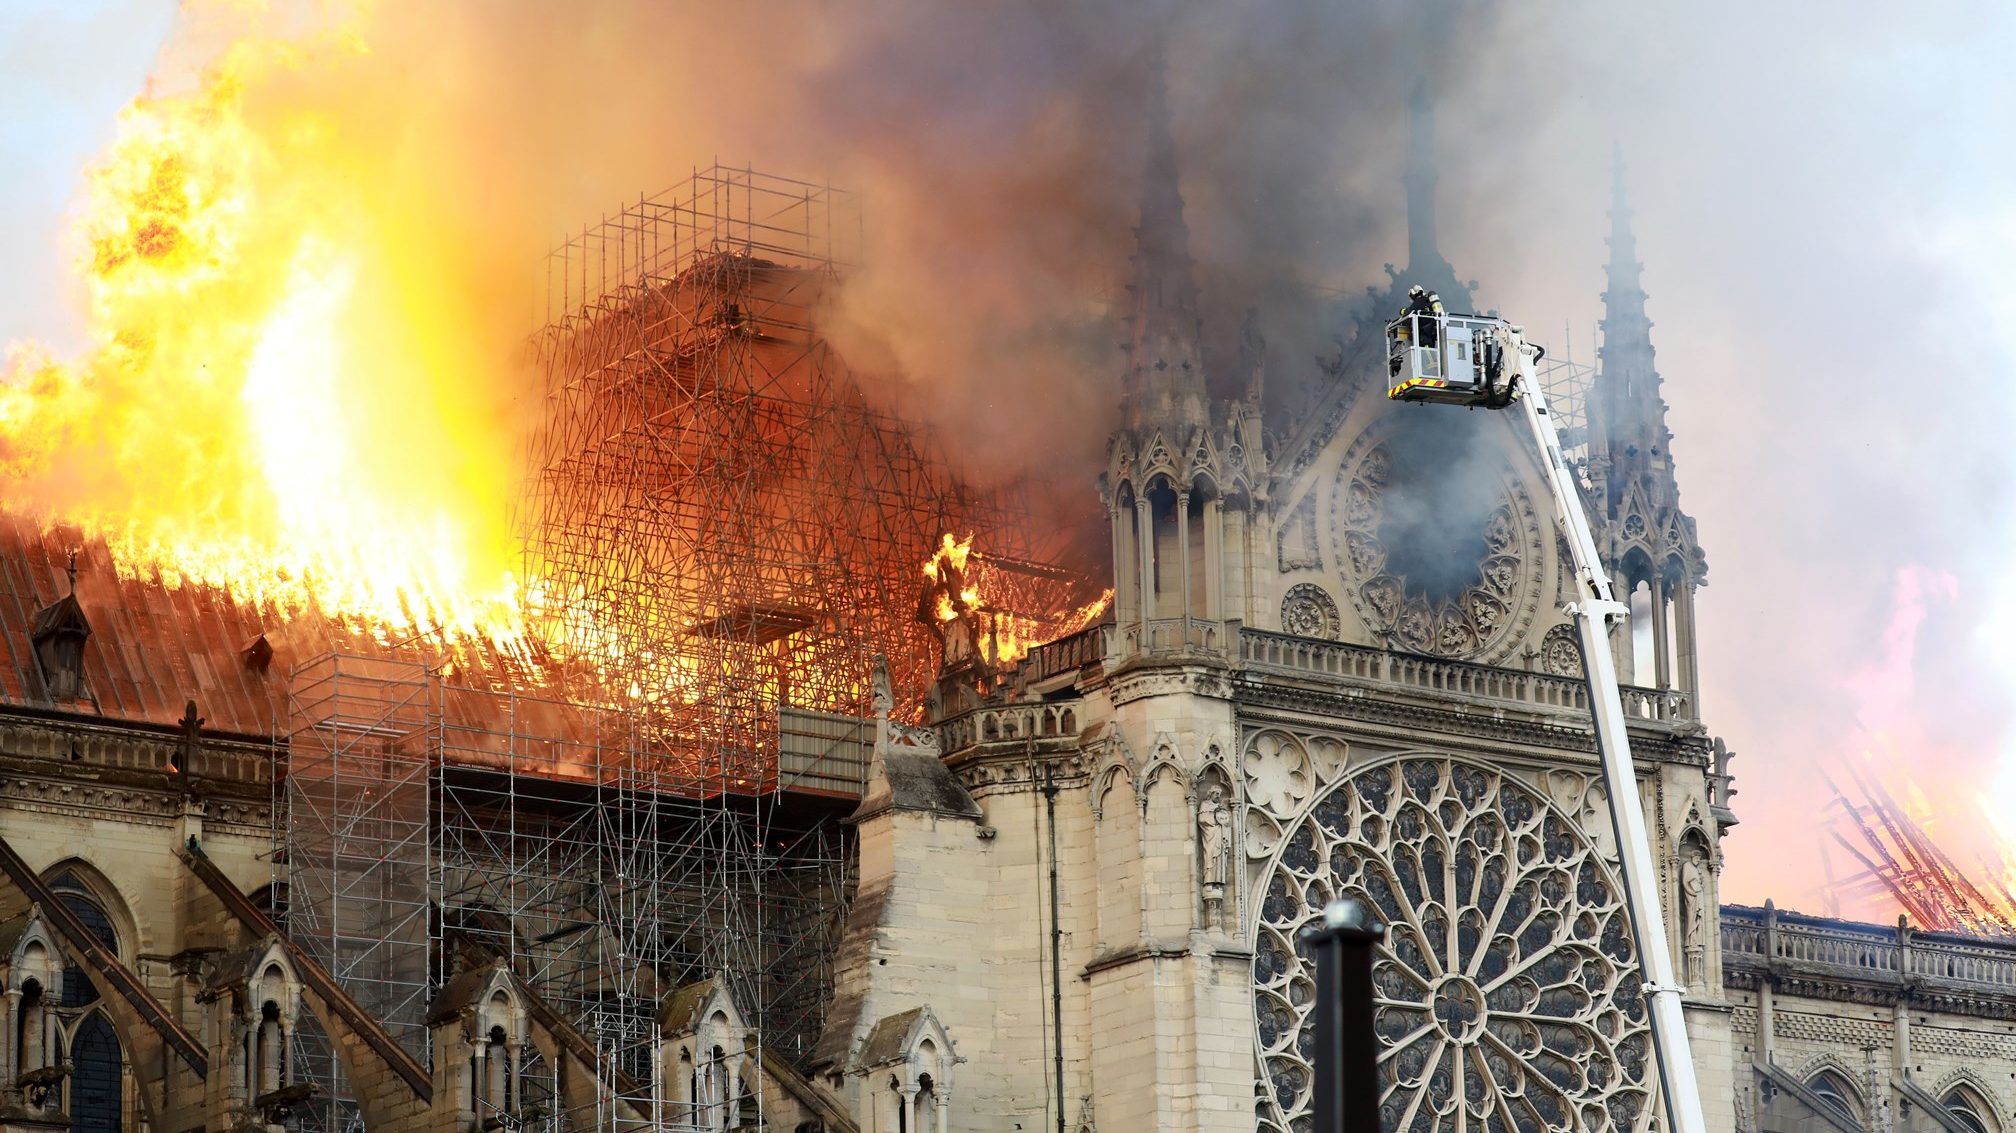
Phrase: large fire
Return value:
(1003, 620)
(277, 395)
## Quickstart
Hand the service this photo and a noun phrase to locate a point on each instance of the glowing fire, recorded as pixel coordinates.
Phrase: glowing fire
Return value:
(947, 569)
(278, 395)
(958, 577)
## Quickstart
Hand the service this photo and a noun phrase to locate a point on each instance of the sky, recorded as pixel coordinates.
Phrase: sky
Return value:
(65, 70)
(1820, 196)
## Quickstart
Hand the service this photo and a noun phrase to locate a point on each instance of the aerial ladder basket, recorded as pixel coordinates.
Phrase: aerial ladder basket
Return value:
(1447, 359)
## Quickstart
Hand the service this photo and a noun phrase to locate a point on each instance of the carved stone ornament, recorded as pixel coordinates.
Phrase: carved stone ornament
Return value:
(1508, 990)
(1483, 618)
(1561, 652)
(1309, 611)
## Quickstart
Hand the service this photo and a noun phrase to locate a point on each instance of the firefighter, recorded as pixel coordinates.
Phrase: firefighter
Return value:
(1424, 313)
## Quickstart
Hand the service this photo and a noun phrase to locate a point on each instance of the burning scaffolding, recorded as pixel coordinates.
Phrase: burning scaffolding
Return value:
(1894, 855)
(722, 533)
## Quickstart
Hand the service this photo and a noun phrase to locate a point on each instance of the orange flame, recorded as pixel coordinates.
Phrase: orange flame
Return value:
(1003, 636)
(278, 396)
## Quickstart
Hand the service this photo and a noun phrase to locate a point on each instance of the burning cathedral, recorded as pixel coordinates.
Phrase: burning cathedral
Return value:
(1029, 852)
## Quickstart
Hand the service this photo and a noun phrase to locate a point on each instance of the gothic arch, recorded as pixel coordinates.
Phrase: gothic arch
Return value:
(1111, 776)
(1164, 770)
(90, 881)
(94, 1091)
(1165, 758)
(1694, 832)
(1963, 1076)
(1634, 561)
(1214, 770)
(1673, 569)
(1965, 1086)
(1829, 1074)
(271, 899)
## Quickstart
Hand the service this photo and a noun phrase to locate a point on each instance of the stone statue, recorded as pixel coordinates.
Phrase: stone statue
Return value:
(885, 695)
(1694, 917)
(1214, 839)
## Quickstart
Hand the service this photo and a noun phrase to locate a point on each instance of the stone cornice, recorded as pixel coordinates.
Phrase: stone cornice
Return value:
(133, 755)
(1874, 989)
(1150, 676)
(1412, 719)
(1012, 767)
(132, 805)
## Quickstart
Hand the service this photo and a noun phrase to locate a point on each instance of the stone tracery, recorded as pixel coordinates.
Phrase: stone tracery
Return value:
(1481, 619)
(1509, 991)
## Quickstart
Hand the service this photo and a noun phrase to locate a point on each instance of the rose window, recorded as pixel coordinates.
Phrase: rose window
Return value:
(1439, 544)
(1508, 990)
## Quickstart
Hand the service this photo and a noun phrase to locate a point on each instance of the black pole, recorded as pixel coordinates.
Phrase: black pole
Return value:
(1056, 943)
(1347, 1049)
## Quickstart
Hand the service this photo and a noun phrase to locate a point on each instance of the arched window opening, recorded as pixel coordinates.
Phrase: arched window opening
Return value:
(1166, 555)
(96, 1084)
(272, 900)
(1643, 656)
(31, 1027)
(712, 1096)
(71, 889)
(270, 1048)
(927, 1105)
(496, 1070)
(1834, 1091)
(1966, 1109)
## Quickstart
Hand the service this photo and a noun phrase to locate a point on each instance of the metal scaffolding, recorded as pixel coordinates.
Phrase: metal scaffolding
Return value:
(723, 531)
(357, 840)
(1891, 854)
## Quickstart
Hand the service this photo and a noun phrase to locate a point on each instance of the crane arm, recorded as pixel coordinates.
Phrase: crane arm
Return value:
(1593, 610)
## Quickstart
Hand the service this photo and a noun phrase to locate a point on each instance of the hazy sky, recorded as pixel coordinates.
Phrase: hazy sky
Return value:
(1823, 208)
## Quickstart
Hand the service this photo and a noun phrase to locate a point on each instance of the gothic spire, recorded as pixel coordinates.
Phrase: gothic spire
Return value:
(1165, 362)
(1625, 399)
(1425, 263)
(1630, 444)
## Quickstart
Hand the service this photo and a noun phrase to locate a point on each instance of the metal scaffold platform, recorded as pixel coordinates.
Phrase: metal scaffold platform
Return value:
(723, 531)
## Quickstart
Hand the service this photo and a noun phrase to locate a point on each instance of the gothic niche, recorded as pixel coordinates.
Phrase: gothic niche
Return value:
(1438, 552)
(1309, 611)
(1509, 992)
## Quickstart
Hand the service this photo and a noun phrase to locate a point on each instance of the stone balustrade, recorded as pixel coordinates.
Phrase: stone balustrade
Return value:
(1014, 722)
(1068, 654)
(1794, 943)
(1359, 663)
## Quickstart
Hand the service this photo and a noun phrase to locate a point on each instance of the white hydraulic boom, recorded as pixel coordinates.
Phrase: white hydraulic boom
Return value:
(1475, 360)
